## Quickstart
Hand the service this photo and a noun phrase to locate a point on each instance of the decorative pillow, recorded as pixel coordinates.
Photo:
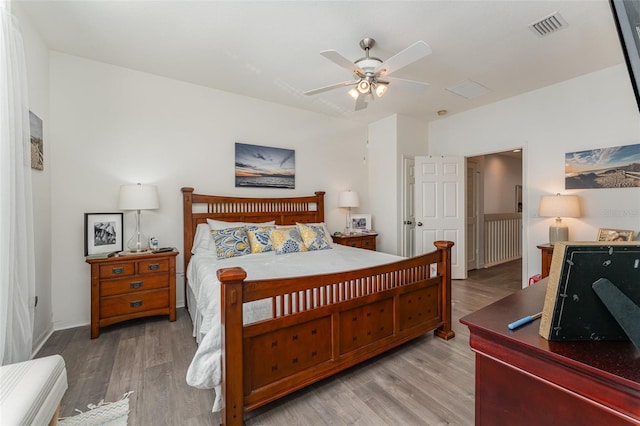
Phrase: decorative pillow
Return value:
(260, 238)
(287, 239)
(202, 241)
(314, 237)
(231, 242)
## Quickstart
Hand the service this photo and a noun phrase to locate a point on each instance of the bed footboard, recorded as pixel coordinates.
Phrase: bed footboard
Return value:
(323, 324)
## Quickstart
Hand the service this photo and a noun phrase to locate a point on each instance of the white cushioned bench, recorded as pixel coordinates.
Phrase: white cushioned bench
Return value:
(31, 391)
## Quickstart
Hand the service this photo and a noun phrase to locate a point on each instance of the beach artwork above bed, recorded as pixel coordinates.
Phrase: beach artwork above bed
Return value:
(265, 166)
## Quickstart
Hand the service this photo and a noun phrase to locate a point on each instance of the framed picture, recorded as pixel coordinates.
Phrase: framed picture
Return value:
(615, 235)
(361, 222)
(102, 233)
(265, 167)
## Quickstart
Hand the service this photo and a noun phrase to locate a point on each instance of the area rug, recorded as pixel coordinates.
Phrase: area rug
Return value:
(101, 414)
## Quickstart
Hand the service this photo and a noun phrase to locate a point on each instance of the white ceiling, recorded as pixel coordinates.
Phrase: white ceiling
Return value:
(270, 49)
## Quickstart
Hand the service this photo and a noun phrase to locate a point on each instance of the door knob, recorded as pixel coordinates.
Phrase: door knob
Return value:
(419, 223)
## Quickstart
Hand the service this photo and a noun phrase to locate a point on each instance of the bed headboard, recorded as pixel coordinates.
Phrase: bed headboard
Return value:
(198, 208)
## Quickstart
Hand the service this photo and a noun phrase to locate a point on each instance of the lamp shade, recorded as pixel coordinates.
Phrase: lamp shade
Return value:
(348, 199)
(138, 197)
(559, 206)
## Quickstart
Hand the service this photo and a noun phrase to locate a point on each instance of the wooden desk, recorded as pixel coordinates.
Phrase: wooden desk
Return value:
(523, 379)
(546, 253)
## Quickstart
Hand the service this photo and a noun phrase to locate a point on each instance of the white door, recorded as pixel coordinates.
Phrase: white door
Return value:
(408, 214)
(439, 207)
(473, 214)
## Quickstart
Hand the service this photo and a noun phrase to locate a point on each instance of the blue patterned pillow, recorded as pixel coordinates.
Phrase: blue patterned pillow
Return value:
(231, 242)
(314, 237)
(260, 238)
(287, 240)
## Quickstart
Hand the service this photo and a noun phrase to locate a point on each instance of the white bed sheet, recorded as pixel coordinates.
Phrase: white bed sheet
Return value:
(205, 370)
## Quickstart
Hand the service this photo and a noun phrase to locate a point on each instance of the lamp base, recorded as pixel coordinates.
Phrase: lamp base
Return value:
(138, 241)
(558, 231)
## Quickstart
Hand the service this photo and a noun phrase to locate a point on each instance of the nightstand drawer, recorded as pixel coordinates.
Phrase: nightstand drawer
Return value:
(354, 243)
(368, 243)
(114, 270)
(133, 284)
(134, 302)
(152, 266)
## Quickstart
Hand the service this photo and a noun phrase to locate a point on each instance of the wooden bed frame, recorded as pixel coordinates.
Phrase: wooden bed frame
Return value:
(321, 324)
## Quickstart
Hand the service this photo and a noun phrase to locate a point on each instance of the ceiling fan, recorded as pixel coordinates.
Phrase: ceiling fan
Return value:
(371, 75)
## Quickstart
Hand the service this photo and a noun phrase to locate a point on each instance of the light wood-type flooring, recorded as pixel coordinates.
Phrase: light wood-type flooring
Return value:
(426, 382)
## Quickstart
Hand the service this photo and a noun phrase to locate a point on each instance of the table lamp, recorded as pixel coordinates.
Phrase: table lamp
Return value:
(559, 206)
(138, 197)
(348, 199)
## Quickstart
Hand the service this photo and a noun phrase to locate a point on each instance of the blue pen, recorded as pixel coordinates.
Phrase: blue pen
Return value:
(524, 321)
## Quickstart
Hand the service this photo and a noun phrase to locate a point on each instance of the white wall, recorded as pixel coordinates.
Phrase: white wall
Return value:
(37, 59)
(112, 126)
(501, 175)
(390, 139)
(596, 110)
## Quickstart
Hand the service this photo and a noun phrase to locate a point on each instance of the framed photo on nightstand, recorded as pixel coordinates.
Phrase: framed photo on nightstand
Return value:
(102, 233)
(361, 222)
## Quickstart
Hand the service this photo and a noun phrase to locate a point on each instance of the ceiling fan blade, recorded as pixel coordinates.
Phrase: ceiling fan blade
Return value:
(340, 60)
(417, 87)
(331, 87)
(361, 103)
(416, 51)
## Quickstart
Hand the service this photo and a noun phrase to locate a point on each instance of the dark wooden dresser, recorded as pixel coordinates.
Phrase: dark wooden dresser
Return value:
(132, 286)
(523, 379)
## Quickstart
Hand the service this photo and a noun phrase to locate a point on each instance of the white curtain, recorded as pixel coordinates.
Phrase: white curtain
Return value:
(17, 270)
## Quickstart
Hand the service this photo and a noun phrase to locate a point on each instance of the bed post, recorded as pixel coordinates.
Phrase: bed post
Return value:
(187, 233)
(444, 269)
(320, 203)
(231, 280)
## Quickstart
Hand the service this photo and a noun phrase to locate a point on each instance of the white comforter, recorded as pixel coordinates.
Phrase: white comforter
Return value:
(205, 369)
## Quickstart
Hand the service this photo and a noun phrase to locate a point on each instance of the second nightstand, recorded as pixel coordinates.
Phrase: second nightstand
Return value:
(365, 241)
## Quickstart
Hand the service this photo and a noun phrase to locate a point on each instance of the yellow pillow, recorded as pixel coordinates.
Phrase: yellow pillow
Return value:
(287, 240)
(314, 237)
(260, 238)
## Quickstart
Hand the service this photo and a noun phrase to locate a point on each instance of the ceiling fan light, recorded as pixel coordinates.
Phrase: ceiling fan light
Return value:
(364, 86)
(354, 93)
(381, 89)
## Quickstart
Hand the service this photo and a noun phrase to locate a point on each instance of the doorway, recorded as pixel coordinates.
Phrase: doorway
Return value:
(494, 200)
(493, 188)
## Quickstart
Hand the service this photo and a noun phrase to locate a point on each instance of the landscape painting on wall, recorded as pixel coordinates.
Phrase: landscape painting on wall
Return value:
(37, 149)
(616, 167)
(265, 166)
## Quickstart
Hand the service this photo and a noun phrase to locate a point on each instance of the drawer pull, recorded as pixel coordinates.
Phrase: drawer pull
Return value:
(154, 267)
(117, 270)
(136, 303)
(353, 244)
(135, 284)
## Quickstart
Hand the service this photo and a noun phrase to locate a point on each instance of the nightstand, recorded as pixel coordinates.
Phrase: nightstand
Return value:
(365, 241)
(132, 286)
(546, 252)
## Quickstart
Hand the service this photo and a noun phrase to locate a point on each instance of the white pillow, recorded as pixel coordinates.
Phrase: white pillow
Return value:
(202, 241)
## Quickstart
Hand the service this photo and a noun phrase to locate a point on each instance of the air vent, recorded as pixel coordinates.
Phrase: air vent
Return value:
(550, 24)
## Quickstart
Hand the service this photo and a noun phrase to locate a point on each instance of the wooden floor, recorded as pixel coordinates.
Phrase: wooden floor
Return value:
(426, 382)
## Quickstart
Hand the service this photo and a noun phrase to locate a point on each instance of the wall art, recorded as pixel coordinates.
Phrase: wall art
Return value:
(37, 154)
(615, 167)
(265, 166)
